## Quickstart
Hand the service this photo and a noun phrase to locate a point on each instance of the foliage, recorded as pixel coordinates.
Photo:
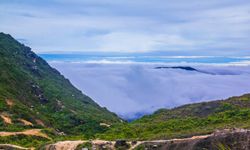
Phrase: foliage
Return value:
(24, 141)
(42, 96)
(185, 122)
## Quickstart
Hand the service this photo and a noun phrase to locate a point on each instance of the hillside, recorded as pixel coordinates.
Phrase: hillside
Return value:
(186, 121)
(35, 95)
(39, 107)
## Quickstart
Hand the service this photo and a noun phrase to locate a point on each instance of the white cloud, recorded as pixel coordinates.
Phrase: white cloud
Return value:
(128, 88)
(210, 27)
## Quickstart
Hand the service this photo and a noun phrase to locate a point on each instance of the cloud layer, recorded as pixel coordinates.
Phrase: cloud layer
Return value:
(131, 89)
(201, 27)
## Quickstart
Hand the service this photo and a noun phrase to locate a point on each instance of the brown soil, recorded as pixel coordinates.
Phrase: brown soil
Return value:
(6, 119)
(71, 145)
(9, 102)
(64, 145)
(14, 147)
(25, 122)
(39, 122)
(31, 132)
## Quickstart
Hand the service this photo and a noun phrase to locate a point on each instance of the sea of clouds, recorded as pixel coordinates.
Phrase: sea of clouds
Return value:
(132, 90)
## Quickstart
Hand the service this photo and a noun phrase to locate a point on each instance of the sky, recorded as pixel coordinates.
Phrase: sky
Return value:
(134, 27)
(178, 27)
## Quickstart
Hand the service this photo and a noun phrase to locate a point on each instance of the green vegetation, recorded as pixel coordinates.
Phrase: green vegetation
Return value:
(186, 121)
(35, 96)
(32, 90)
(24, 141)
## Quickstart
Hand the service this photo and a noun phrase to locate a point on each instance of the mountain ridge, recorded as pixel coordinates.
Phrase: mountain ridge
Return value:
(42, 96)
(38, 106)
(186, 121)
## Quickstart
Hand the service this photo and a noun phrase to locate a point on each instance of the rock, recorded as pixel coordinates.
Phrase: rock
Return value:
(234, 139)
(134, 142)
(39, 93)
(104, 125)
(121, 144)
(155, 146)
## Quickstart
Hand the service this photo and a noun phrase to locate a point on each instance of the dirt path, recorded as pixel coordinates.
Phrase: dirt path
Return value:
(40, 122)
(199, 137)
(31, 132)
(137, 144)
(71, 145)
(171, 140)
(8, 146)
(25, 122)
(184, 139)
(6, 119)
(64, 145)
(9, 102)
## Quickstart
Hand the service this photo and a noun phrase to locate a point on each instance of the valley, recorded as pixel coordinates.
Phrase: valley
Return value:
(41, 109)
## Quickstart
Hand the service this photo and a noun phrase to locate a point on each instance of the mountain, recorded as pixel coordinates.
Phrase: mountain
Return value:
(186, 121)
(186, 68)
(178, 67)
(34, 95)
(39, 107)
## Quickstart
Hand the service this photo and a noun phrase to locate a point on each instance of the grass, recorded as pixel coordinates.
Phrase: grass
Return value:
(40, 92)
(181, 122)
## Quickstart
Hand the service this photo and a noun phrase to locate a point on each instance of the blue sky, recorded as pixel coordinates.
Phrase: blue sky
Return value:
(193, 27)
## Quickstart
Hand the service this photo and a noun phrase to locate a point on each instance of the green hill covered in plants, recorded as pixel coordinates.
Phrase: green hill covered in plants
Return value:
(186, 121)
(35, 95)
(39, 106)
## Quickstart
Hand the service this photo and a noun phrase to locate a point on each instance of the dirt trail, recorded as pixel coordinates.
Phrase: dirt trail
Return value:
(9, 102)
(10, 146)
(64, 145)
(6, 119)
(40, 122)
(171, 140)
(99, 142)
(199, 137)
(71, 145)
(184, 139)
(25, 122)
(31, 132)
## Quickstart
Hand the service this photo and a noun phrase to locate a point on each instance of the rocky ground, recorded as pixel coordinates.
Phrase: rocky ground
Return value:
(233, 139)
(227, 139)
(64, 145)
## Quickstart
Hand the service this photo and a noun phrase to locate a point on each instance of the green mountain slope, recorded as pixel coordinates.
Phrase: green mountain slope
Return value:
(187, 120)
(34, 95)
